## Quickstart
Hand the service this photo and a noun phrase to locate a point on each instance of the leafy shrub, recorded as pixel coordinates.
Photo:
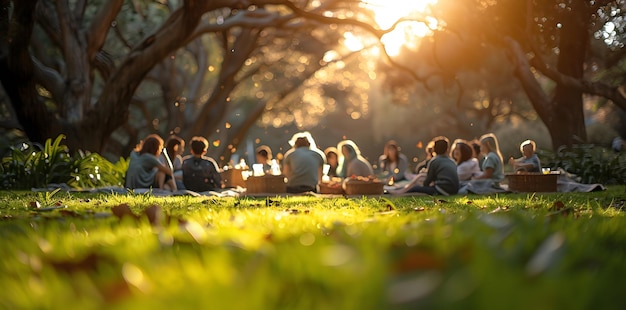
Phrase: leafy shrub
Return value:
(91, 170)
(590, 163)
(30, 165)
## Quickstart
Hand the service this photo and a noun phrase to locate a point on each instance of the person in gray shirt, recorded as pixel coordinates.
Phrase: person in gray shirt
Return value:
(302, 165)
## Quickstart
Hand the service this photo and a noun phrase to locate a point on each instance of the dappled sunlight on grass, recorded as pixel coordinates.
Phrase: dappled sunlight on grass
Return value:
(304, 252)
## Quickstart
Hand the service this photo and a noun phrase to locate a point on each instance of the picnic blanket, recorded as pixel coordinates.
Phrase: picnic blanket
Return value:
(231, 192)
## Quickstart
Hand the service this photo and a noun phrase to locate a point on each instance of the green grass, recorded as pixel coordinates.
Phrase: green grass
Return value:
(513, 251)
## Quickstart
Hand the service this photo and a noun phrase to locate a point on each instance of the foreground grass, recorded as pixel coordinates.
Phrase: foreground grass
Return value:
(552, 251)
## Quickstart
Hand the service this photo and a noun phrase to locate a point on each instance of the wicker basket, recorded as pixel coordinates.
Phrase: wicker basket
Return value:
(359, 187)
(532, 182)
(327, 188)
(232, 178)
(273, 184)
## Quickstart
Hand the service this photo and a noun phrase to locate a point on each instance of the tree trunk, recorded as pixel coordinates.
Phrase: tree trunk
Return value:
(567, 124)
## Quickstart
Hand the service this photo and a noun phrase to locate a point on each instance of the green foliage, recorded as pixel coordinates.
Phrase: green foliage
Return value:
(92, 170)
(519, 251)
(592, 164)
(30, 165)
(27, 167)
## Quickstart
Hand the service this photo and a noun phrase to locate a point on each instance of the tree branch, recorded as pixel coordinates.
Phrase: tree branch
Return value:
(100, 25)
(50, 79)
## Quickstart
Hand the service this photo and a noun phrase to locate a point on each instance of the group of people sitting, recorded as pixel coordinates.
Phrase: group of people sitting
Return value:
(449, 169)
(154, 166)
(445, 171)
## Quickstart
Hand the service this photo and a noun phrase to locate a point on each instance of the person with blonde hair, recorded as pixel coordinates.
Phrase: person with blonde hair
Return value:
(492, 165)
(529, 161)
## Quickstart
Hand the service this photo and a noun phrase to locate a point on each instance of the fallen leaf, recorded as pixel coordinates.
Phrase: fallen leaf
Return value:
(546, 255)
(155, 215)
(122, 211)
(558, 205)
(34, 205)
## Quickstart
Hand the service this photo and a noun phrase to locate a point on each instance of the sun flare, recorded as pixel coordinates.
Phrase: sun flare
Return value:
(408, 33)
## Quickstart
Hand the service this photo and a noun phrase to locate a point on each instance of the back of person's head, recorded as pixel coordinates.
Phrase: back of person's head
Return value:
(440, 145)
(198, 145)
(152, 144)
(491, 142)
(264, 151)
(465, 150)
(527, 142)
(301, 142)
(476, 147)
(173, 145)
(305, 135)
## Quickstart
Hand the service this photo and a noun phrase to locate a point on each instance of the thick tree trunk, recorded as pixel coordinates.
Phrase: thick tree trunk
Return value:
(567, 125)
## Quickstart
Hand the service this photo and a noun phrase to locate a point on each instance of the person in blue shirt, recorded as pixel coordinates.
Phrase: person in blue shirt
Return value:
(529, 162)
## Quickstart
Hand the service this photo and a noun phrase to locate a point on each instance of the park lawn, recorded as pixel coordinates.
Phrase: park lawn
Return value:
(512, 251)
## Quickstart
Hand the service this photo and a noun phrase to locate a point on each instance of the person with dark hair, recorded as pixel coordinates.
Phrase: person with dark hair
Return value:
(174, 147)
(263, 155)
(467, 164)
(351, 162)
(332, 159)
(529, 161)
(421, 166)
(302, 164)
(441, 177)
(144, 168)
(477, 154)
(200, 173)
(392, 163)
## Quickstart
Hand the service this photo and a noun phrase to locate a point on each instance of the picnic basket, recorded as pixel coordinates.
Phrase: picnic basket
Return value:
(363, 187)
(232, 178)
(266, 184)
(331, 188)
(532, 182)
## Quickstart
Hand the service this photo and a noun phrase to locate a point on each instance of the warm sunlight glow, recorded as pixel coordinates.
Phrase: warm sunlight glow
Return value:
(387, 12)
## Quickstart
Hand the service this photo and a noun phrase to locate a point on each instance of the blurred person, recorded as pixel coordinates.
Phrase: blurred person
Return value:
(200, 173)
(421, 167)
(441, 176)
(351, 163)
(492, 164)
(529, 161)
(145, 170)
(174, 147)
(392, 162)
(467, 164)
(477, 154)
(332, 159)
(302, 164)
(263, 155)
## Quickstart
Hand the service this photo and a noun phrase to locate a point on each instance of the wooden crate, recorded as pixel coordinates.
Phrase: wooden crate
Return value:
(359, 187)
(327, 188)
(232, 178)
(273, 184)
(532, 182)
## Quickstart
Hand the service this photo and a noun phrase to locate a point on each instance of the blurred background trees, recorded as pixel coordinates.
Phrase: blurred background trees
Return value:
(244, 73)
